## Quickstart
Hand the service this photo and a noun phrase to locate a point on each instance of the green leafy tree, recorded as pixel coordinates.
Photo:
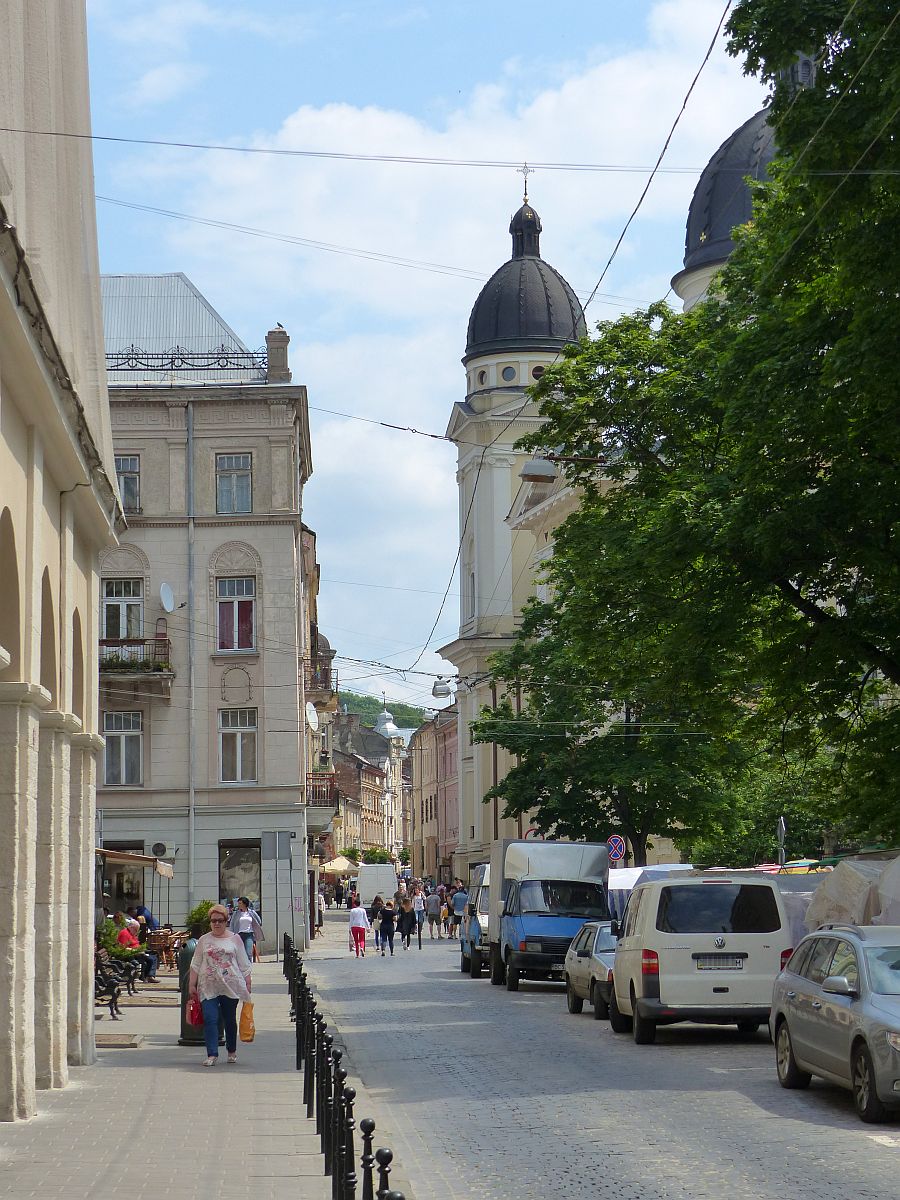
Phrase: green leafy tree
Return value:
(376, 855)
(199, 915)
(351, 852)
(404, 857)
(740, 552)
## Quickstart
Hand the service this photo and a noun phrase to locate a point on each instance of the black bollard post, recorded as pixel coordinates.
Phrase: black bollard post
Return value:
(319, 1073)
(337, 1132)
(367, 1162)
(325, 1101)
(309, 1082)
(384, 1157)
(303, 998)
(348, 1171)
(298, 1037)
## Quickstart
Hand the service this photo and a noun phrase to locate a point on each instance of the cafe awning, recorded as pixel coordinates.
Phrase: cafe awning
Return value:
(126, 857)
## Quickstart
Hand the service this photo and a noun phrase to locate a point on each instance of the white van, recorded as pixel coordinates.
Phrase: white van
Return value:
(704, 948)
(376, 879)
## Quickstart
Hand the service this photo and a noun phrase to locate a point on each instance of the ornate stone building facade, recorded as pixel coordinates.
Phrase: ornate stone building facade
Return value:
(207, 610)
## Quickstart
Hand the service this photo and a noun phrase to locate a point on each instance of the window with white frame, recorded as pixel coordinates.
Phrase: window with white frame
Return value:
(236, 613)
(234, 483)
(123, 757)
(237, 745)
(128, 473)
(122, 609)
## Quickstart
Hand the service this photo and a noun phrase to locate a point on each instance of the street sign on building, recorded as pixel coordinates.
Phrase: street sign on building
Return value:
(616, 846)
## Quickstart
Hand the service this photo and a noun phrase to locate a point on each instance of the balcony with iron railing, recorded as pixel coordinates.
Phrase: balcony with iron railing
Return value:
(320, 682)
(321, 789)
(146, 659)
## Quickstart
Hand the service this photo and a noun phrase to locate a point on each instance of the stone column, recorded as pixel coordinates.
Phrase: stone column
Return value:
(82, 900)
(19, 737)
(47, 983)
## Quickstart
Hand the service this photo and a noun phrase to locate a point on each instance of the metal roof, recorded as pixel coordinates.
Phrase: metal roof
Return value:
(160, 329)
(526, 304)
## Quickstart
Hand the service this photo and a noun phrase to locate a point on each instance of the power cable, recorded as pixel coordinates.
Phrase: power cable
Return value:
(349, 156)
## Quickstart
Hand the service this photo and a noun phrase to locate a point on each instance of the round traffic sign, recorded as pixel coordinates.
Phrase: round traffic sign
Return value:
(616, 846)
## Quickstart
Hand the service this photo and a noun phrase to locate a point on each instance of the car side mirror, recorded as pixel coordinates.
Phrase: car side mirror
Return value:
(582, 954)
(839, 985)
(614, 929)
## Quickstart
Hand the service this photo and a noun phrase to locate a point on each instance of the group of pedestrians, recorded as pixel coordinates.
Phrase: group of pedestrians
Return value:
(405, 914)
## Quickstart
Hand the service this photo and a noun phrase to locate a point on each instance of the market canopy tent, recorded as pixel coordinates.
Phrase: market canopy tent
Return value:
(339, 866)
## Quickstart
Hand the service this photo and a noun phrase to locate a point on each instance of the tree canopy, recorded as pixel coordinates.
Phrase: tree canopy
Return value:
(731, 577)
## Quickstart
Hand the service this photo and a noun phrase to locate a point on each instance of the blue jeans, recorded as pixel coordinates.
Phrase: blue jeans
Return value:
(211, 1010)
(247, 939)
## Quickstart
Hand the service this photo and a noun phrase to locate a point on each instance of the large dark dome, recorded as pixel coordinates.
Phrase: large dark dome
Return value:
(722, 198)
(526, 304)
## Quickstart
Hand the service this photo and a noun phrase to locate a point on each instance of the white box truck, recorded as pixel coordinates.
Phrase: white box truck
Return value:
(376, 879)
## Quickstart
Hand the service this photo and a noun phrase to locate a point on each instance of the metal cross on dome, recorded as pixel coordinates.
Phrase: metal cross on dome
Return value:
(525, 171)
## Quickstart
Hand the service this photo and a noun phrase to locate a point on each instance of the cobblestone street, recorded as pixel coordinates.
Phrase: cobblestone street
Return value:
(495, 1095)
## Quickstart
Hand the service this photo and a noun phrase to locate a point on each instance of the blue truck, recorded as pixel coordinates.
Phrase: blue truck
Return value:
(542, 892)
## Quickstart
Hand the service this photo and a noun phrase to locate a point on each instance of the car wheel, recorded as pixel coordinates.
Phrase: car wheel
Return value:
(748, 1026)
(463, 963)
(574, 1003)
(475, 964)
(512, 978)
(644, 1030)
(618, 1022)
(865, 1097)
(601, 1011)
(789, 1074)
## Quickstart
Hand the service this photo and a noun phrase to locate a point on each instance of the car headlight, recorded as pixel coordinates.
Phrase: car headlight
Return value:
(894, 1040)
(533, 947)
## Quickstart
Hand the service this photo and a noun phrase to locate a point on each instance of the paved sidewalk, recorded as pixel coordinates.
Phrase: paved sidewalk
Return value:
(153, 1121)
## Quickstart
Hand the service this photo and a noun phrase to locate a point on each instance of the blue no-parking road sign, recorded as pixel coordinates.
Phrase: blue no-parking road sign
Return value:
(616, 846)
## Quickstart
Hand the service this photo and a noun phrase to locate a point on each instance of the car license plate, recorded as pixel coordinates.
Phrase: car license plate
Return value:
(558, 967)
(720, 962)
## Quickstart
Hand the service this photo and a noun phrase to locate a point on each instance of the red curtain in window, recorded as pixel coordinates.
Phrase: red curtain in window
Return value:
(226, 625)
(245, 624)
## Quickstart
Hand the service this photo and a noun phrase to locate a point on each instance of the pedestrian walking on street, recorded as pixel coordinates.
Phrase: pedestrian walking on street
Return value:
(418, 902)
(388, 915)
(247, 925)
(458, 908)
(219, 977)
(339, 893)
(374, 913)
(433, 912)
(406, 921)
(359, 923)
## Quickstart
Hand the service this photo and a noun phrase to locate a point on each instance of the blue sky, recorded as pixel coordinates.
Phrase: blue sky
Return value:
(582, 82)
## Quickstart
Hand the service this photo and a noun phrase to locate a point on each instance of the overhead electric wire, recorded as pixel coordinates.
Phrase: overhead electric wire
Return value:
(350, 156)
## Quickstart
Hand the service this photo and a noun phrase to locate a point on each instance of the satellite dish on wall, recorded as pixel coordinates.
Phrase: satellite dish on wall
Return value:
(312, 717)
(166, 597)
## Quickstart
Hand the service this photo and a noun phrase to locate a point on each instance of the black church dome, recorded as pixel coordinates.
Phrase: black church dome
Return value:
(526, 304)
(722, 198)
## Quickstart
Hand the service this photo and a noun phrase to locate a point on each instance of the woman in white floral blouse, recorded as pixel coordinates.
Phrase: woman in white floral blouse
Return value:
(220, 977)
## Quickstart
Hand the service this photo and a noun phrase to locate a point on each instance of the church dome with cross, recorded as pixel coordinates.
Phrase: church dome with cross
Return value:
(526, 305)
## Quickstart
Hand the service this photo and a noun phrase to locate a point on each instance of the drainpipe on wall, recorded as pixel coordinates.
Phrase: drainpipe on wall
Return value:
(190, 649)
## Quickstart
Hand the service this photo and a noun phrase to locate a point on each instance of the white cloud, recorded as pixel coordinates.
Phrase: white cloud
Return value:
(383, 342)
(161, 84)
(170, 24)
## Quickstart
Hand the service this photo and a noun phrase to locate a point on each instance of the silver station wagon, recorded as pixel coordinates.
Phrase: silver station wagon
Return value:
(836, 1014)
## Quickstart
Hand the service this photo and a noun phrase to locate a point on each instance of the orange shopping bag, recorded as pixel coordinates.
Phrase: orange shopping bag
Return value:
(247, 1029)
